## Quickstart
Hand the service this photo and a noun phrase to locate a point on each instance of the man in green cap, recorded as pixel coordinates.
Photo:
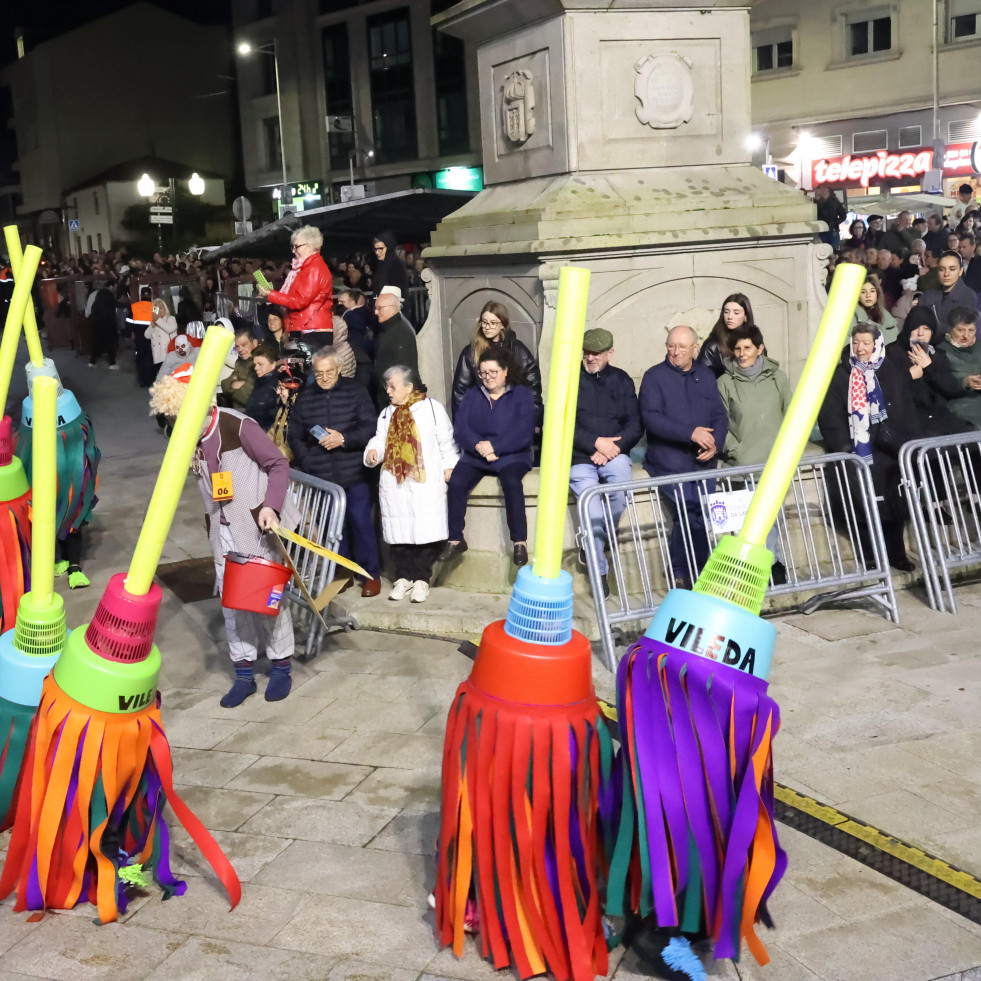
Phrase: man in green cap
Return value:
(607, 428)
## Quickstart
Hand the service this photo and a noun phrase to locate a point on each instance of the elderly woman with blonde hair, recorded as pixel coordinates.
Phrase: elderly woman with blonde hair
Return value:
(307, 293)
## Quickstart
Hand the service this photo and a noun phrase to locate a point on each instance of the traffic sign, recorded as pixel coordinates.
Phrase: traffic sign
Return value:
(161, 219)
(163, 209)
(242, 208)
(74, 224)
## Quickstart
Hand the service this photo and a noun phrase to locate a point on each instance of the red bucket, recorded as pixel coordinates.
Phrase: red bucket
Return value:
(253, 584)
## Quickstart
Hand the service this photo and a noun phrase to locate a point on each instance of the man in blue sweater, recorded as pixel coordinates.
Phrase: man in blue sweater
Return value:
(685, 422)
(607, 429)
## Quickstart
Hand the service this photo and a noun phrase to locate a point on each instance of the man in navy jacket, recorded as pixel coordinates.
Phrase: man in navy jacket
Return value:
(607, 429)
(685, 422)
(329, 426)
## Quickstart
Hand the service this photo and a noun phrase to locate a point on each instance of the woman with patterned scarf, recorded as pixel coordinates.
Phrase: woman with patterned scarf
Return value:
(414, 445)
(869, 411)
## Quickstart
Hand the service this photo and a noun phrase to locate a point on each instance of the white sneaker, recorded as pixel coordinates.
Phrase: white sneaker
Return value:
(420, 591)
(400, 589)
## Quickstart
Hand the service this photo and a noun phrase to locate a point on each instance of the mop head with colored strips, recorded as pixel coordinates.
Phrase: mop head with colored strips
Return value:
(78, 471)
(528, 817)
(15, 532)
(91, 806)
(698, 846)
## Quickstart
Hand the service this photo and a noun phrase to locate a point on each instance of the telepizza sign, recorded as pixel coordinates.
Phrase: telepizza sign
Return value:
(893, 168)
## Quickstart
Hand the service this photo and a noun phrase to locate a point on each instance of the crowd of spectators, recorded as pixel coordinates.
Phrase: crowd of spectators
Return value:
(327, 365)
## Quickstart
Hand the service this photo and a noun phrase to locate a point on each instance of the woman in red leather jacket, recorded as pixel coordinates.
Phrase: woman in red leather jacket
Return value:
(307, 293)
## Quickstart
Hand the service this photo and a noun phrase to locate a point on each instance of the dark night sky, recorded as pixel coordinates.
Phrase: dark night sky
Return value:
(42, 19)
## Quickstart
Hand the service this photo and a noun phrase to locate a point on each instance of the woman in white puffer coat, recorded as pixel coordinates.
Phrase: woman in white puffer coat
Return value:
(162, 330)
(414, 445)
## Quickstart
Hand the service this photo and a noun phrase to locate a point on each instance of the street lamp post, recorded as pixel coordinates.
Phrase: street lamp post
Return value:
(146, 187)
(245, 48)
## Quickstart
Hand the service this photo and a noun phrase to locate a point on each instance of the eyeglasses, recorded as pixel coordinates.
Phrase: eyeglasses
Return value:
(490, 373)
(380, 248)
(326, 373)
(295, 248)
(490, 323)
(678, 348)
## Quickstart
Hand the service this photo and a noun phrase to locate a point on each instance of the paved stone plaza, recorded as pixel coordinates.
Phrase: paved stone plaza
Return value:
(326, 803)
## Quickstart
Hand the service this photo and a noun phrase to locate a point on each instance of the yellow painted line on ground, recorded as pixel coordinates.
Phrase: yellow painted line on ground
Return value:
(919, 859)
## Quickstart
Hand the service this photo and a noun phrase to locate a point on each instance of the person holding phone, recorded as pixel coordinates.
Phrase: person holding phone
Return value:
(933, 384)
(329, 427)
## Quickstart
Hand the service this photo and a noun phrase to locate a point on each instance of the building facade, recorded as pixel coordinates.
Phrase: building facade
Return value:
(353, 93)
(139, 82)
(857, 96)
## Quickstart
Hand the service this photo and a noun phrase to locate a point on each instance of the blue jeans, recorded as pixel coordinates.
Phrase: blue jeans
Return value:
(585, 475)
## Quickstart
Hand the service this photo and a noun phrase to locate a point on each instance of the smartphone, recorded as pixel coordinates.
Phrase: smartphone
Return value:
(318, 433)
(260, 278)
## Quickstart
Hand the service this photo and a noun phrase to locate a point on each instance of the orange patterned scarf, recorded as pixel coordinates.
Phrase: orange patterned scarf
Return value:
(403, 452)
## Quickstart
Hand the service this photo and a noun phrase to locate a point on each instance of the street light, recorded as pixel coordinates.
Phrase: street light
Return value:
(146, 187)
(245, 48)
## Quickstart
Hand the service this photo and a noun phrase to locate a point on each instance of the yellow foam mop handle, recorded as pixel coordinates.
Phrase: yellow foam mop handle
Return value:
(177, 459)
(31, 334)
(804, 406)
(292, 536)
(560, 420)
(15, 317)
(45, 489)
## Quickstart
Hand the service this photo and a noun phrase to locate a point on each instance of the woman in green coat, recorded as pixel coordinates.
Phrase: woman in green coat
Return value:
(755, 393)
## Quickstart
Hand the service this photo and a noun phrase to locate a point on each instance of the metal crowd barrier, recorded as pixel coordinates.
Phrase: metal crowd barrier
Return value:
(828, 537)
(321, 506)
(941, 477)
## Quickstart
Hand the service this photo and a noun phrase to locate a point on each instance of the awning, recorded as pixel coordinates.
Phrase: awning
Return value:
(410, 215)
(892, 204)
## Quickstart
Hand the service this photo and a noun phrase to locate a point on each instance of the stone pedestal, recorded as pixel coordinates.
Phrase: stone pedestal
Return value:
(615, 137)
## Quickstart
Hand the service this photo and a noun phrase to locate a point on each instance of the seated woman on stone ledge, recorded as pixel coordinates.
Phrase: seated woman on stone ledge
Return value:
(494, 427)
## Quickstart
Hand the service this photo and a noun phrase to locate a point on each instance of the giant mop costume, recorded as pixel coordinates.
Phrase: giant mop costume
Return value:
(78, 455)
(29, 650)
(97, 771)
(15, 494)
(527, 761)
(697, 845)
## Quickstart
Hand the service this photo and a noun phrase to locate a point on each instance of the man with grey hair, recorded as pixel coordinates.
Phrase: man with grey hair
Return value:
(329, 426)
(686, 426)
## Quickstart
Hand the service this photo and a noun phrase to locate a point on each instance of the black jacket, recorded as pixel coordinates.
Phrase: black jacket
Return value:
(607, 407)
(895, 382)
(391, 270)
(932, 392)
(346, 407)
(264, 401)
(465, 376)
(395, 343)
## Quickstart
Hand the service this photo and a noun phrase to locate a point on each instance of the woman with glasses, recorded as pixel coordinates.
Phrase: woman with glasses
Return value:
(389, 268)
(493, 327)
(494, 428)
(307, 293)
